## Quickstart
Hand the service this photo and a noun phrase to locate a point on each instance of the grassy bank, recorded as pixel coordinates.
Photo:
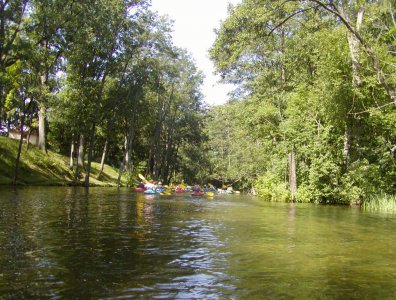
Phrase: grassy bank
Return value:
(381, 203)
(37, 168)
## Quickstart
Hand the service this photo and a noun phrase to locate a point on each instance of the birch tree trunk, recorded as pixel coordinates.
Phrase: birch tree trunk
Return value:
(71, 163)
(42, 131)
(80, 152)
(347, 145)
(292, 176)
(79, 157)
(354, 48)
(126, 154)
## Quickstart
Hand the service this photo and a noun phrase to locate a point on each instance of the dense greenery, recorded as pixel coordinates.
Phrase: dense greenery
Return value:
(311, 118)
(101, 81)
(315, 79)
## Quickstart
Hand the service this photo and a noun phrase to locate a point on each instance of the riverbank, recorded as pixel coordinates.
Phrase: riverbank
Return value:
(37, 168)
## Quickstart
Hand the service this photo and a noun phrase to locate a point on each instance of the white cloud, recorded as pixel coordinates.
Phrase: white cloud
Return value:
(195, 21)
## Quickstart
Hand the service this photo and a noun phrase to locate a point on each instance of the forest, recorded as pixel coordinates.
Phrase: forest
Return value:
(311, 118)
(101, 81)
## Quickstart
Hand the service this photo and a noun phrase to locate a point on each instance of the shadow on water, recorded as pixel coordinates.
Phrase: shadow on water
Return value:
(70, 242)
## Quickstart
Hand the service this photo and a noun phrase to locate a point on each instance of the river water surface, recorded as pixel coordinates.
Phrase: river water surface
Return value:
(71, 243)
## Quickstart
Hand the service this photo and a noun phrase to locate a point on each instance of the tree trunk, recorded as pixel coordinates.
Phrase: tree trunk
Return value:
(121, 169)
(292, 176)
(127, 161)
(79, 157)
(27, 141)
(14, 179)
(42, 133)
(131, 135)
(106, 145)
(282, 64)
(354, 48)
(71, 164)
(103, 159)
(126, 146)
(8, 127)
(123, 162)
(347, 143)
(90, 155)
(163, 108)
(80, 153)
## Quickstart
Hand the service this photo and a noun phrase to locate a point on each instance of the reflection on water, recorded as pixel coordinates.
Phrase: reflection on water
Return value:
(291, 227)
(103, 243)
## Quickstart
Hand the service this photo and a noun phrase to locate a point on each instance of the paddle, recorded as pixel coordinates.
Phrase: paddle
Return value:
(142, 177)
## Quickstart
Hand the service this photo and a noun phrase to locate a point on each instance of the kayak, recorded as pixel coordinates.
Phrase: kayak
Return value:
(150, 191)
(166, 193)
(197, 193)
(154, 191)
(138, 189)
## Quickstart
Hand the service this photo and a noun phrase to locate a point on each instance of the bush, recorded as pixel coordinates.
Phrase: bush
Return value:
(271, 188)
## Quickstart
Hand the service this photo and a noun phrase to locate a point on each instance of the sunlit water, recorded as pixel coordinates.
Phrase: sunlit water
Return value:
(69, 243)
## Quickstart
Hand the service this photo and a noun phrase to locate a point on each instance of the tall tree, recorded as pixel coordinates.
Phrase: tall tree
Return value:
(12, 26)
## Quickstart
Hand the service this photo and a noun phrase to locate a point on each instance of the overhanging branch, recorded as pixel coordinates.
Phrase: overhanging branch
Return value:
(289, 17)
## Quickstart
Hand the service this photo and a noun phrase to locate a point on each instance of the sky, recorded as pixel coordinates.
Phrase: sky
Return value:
(195, 21)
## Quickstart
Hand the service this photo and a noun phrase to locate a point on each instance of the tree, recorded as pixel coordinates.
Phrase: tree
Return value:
(12, 25)
(304, 88)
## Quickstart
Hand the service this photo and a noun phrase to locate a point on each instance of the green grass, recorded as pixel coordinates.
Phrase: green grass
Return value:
(38, 168)
(382, 203)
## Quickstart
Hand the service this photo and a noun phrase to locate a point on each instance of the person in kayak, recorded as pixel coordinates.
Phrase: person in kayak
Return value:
(150, 185)
(141, 185)
(196, 188)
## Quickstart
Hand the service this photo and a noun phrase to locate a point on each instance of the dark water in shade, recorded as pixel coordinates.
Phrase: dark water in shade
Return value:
(67, 243)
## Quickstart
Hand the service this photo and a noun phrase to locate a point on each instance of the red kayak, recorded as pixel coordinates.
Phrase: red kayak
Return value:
(197, 193)
(138, 189)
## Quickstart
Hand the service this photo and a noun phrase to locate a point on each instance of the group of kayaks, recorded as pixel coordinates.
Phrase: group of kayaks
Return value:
(164, 191)
(147, 187)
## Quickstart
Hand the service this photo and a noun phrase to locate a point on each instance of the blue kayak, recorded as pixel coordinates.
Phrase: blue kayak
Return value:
(154, 191)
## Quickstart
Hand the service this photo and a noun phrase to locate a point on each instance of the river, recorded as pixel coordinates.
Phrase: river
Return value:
(73, 243)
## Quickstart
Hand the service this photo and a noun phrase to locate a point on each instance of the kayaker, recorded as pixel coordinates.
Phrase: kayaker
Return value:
(150, 185)
(211, 187)
(196, 188)
(178, 189)
(141, 184)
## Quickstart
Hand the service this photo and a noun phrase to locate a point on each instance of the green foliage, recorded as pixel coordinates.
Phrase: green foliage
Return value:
(272, 188)
(293, 65)
(102, 72)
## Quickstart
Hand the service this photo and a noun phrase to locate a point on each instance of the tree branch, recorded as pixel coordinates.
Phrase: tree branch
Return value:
(372, 109)
(376, 63)
(289, 17)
